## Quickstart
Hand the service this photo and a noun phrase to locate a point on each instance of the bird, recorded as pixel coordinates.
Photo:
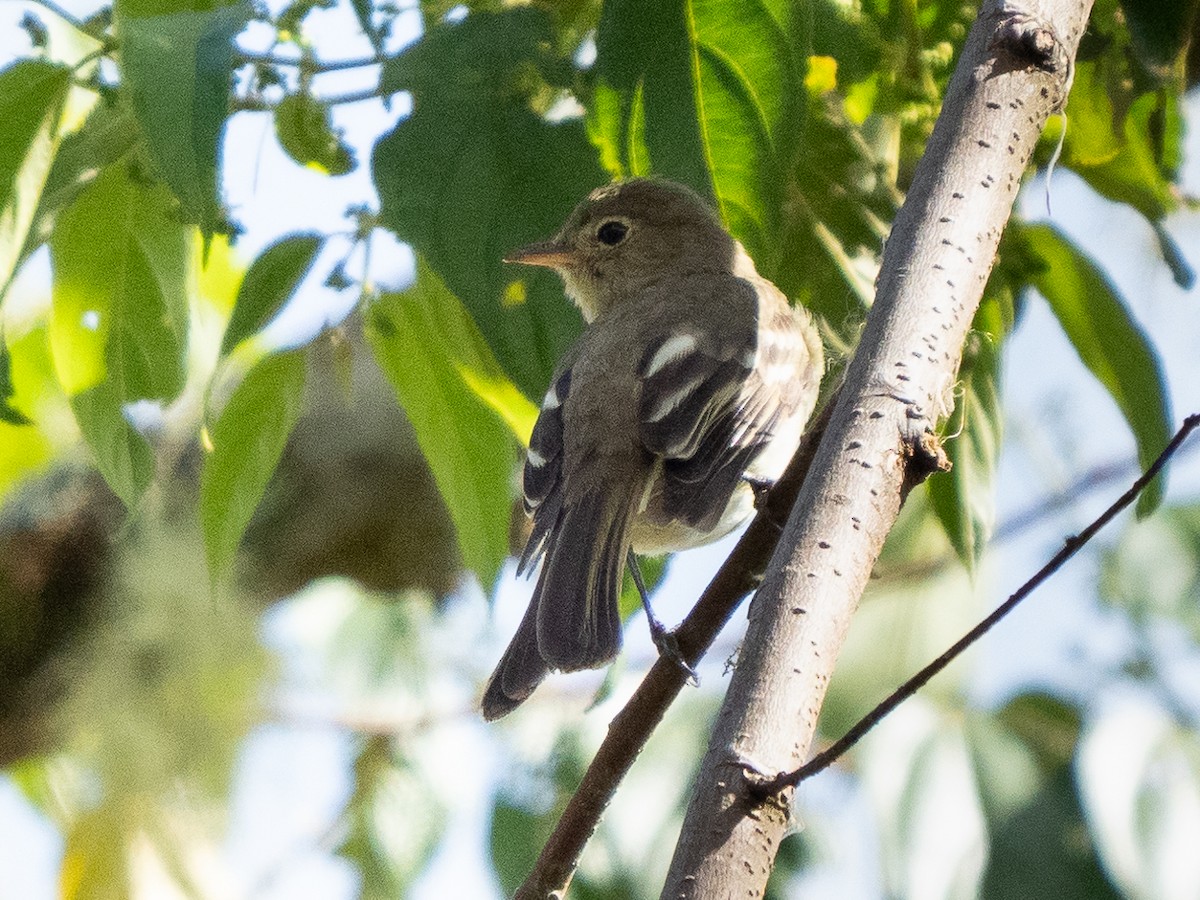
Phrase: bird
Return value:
(687, 391)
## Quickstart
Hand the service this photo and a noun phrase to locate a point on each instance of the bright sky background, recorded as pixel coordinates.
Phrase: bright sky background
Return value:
(293, 779)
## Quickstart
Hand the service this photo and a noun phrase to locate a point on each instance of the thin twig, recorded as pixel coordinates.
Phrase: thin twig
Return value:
(63, 14)
(1072, 545)
(260, 104)
(316, 66)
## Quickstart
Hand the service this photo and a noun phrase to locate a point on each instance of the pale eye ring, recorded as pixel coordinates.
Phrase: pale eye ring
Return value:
(612, 232)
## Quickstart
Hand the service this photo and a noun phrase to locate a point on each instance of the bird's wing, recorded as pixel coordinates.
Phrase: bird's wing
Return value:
(710, 400)
(542, 480)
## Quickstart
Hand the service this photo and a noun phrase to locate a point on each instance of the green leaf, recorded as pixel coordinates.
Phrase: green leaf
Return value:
(1038, 843)
(32, 96)
(1128, 147)
(718, 87)
(176, 64)
(963, 499)
(270, 282)
(474, 173)
(1108, 340)
(247, 440)
(832, 232)
(108, 133)
(304, 127)
(122, 455)
(427, 344)
(118, 322)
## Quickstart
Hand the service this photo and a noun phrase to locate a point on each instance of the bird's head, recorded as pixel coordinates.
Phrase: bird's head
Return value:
(626, 236)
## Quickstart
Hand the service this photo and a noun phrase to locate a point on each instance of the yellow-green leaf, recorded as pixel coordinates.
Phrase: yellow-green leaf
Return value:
(247, 440)
(436, 359)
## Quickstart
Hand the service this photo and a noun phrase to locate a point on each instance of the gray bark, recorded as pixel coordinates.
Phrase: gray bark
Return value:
(1009, 80)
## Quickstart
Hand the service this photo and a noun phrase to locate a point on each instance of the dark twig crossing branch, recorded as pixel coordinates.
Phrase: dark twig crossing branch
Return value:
(1071, 546)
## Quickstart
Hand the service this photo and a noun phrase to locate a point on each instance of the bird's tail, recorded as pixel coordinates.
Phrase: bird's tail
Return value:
(574, 620)
(520, 670)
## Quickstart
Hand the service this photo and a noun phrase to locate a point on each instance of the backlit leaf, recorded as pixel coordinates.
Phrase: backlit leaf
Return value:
(963, 499)
(247, 440)
(270, 282)
(305, 130)
(118, 323)
(432, 353)
(32, 95)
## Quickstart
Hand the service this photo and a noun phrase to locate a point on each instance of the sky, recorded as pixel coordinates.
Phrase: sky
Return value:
(293, 778)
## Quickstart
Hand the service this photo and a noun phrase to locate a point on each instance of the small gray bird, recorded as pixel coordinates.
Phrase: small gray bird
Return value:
(691, 383)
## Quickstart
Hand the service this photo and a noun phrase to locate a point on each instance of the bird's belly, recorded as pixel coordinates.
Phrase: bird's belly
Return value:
(654, 539)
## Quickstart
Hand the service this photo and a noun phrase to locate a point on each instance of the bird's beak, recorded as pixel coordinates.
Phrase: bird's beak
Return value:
(550, 254)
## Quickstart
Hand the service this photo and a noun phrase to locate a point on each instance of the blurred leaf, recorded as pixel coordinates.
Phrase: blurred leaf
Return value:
(248, 438)
(917, 769)
(394, 821)
(1108, 340)
(1139, 778)
(1048, 725)
(1160, 33)
(1022, 757)
(176, 64)
(95, 864)
(474, 173)
(1046, 830)
(25, 449)
(269, 283)
(119, 318)
(8, 413)
(432, 352)
(107, 134)
(963, 499)
(516, 835)
(32, 95)
(1153, 573)
(304, 127)
(373, 647)
(525, 809)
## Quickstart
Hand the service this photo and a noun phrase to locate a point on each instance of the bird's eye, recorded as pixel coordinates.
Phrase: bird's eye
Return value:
(612, 232)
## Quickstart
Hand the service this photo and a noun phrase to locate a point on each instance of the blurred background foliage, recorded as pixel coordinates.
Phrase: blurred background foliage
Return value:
(250, 495)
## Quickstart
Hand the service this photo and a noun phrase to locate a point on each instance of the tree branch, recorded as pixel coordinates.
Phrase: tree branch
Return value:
(1013, 74)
